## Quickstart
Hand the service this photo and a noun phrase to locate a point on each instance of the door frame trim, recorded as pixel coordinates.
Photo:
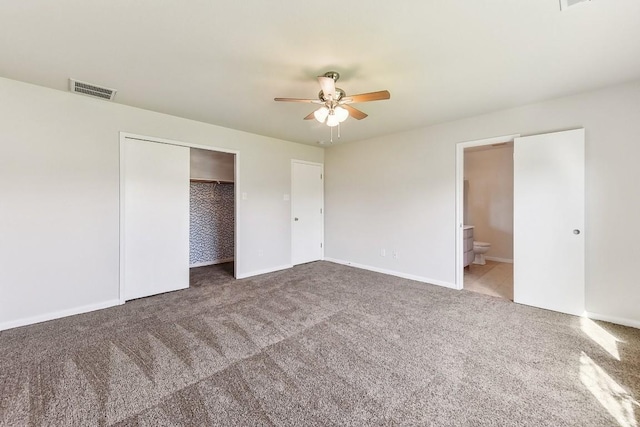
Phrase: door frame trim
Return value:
(305, 162)
(460, 146)
(126, 135)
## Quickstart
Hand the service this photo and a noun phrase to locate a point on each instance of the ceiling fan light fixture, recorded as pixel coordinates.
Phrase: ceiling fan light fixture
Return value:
(334, 102)
(332, 120)
(341, 113)
(321, 114)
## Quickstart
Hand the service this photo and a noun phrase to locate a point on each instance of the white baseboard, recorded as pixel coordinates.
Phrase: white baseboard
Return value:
(204, 264)
(394, 273)
(496, 259)
(265, 271)
(613, 319)
(58, 314)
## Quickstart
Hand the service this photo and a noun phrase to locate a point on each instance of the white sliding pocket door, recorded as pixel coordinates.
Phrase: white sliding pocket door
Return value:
(154, 218)
(549, 221)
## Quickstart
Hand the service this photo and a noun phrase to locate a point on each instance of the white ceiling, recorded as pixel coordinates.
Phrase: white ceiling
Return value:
(223, 62)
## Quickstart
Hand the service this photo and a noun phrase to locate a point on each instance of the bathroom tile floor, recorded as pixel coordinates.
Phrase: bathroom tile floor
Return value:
(493, 278)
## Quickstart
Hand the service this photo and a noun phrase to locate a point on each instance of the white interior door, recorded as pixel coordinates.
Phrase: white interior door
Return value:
(155, 218)
(549, 221)
(307, 212)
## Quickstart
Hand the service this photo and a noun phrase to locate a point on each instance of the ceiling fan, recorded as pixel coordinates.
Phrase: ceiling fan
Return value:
(334, 101)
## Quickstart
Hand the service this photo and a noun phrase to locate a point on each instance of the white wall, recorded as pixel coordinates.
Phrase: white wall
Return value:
(489, 173)
(59, 203)
(398, 192)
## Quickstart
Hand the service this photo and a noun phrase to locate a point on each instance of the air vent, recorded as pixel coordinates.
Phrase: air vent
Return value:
(565, 4)
(91, 89)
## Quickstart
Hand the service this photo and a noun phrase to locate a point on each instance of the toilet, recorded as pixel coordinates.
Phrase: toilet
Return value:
(479, 249)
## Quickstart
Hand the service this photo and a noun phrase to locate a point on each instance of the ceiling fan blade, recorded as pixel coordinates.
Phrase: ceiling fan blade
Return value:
(328, 86)
(311, 101)
(354, 112)
(310, 116)
(371, 96)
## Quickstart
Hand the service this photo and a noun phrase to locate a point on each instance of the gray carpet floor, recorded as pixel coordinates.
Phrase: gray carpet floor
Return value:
(320, 344)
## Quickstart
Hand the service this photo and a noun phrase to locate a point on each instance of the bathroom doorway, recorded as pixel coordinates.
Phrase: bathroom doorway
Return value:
(488, 219)
(486, 210)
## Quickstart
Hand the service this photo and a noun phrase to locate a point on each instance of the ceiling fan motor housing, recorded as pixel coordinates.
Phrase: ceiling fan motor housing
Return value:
(339, 95)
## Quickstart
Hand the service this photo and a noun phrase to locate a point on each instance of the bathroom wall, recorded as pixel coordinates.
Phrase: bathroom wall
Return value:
(211, 223)
(489, 173)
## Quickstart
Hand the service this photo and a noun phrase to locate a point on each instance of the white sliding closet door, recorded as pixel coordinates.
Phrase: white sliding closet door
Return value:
(155, 216)
(549, 221)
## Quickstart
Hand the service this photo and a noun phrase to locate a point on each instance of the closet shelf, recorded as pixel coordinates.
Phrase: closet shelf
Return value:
(219, 181)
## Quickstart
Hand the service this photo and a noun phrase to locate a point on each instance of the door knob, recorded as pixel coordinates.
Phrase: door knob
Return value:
(295, 219)
(576, 231)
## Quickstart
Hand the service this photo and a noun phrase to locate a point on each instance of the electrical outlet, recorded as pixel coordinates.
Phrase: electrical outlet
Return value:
(395, 255)
(383, 252)
(260, 252)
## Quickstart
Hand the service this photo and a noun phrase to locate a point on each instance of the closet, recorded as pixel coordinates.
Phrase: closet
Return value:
(177, 210)
(211, 207)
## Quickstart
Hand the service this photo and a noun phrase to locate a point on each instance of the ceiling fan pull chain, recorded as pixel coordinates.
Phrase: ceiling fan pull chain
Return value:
(331, 129)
